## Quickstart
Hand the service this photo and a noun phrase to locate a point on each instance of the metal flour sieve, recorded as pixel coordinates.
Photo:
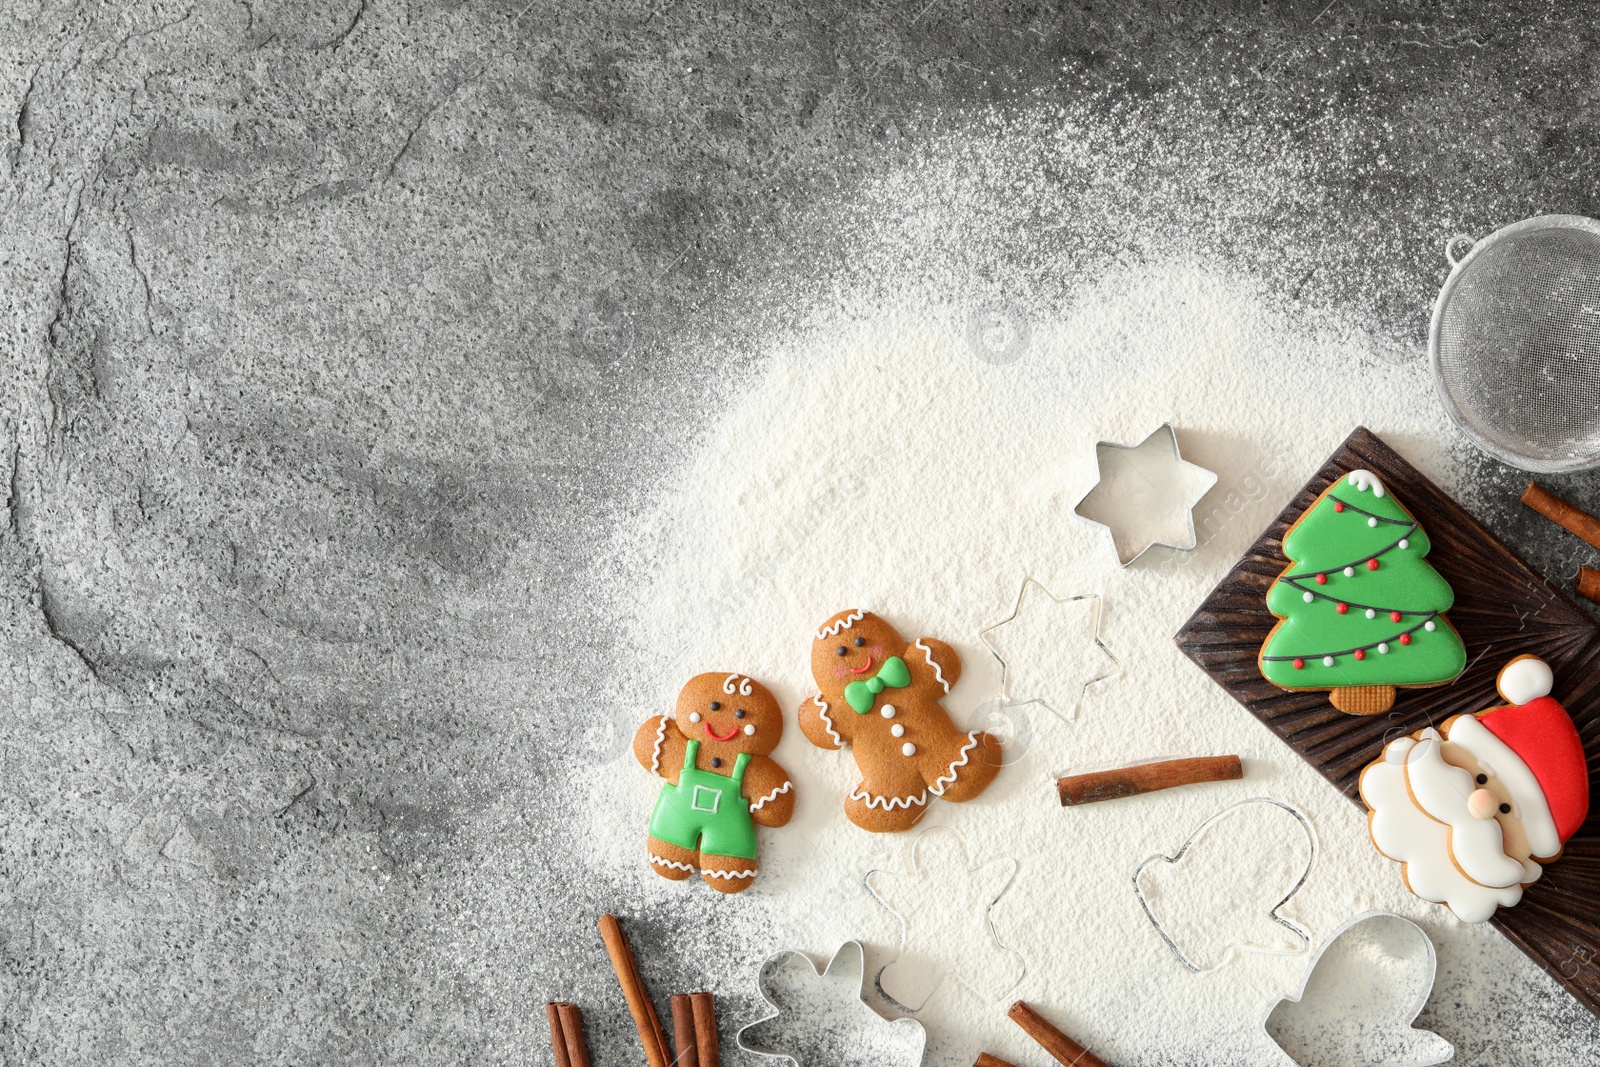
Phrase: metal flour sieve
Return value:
(1515, 342)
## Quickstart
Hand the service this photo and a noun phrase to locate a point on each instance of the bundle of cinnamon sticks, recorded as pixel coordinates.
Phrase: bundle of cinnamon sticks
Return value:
(694, 1016)
(1574, 520)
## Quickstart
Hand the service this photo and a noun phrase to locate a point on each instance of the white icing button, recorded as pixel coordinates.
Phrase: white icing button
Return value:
(1349, 572)
(1371, 614)
(1383, 649)
(888, 711)
(1428, 625)
(897, 730)
(908, 749)
(1372, 522)
(749, 730)
(1327, 661)
(694, 716)
(1404, 543)
(1310, 597)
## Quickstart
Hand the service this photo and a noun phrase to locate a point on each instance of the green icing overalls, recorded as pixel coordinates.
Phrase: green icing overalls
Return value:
(706, 812)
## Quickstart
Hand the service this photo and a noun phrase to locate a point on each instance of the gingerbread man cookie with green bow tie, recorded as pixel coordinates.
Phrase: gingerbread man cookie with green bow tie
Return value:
(880, 696)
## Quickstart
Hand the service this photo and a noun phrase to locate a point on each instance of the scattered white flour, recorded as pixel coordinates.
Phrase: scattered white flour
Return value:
(890, 451)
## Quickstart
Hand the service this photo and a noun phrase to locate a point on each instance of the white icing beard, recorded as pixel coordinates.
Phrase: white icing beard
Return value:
(1403, 832)
(1441, 789)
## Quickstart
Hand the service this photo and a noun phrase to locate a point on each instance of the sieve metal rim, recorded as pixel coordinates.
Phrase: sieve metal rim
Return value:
(1458, 271)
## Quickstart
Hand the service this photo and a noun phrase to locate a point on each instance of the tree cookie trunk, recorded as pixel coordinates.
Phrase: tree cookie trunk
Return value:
(1362, 699)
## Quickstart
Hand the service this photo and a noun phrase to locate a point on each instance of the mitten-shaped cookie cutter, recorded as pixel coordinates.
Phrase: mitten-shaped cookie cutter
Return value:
(822, 1018)
(1247, 913)
(1141, 486)
(1360, 997)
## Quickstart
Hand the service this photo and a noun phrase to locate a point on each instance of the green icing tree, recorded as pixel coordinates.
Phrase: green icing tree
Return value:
(1362, 610)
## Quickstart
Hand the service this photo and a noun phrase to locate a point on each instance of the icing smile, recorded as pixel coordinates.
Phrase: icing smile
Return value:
(863, 669)
(729, 736)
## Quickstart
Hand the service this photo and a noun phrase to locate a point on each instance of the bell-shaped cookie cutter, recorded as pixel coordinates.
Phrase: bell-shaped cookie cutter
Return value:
(1141, 483)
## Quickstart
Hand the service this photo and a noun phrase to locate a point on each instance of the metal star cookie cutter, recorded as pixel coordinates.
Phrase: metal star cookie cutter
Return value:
(822, 1018)
(1360, 996)
(1144, 488)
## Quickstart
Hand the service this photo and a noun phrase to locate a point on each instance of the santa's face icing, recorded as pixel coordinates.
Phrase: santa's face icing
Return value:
(1472, 811)
(1453, 795)
(1423, 817)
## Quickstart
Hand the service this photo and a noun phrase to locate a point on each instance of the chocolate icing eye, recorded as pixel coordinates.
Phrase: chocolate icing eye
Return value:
(1483, 779)
(716, 705)
(860, 641)
(1505, 809)
(842, 650)
(739, 714)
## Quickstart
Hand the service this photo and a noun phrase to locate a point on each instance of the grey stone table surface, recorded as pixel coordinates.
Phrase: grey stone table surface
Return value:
(336, 332)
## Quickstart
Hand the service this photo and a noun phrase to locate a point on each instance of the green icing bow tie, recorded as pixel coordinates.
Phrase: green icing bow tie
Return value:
(894, 674)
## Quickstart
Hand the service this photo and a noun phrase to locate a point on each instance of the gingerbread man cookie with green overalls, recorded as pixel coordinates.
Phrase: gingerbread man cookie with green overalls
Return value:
(721, 782)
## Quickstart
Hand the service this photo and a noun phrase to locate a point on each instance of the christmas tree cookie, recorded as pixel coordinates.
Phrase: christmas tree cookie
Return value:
(1361, 609)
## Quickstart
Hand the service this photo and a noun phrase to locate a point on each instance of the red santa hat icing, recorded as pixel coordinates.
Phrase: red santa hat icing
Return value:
(1533, 747)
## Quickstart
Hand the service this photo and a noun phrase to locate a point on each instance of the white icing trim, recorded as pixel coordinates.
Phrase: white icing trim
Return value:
(951, 772)
(661, 737)
(751, 873)
(660, 861)
(888, 803)
(1499, 757)
(744, 685)
(1364, 480)
(784, 788)
(827, 720)
(843, 624)
(943, 782)
(927, 654)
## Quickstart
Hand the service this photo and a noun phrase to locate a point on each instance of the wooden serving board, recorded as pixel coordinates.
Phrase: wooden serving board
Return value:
(1503, 608)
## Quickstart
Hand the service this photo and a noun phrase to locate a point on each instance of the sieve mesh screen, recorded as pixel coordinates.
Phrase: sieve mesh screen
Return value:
(1518, 346)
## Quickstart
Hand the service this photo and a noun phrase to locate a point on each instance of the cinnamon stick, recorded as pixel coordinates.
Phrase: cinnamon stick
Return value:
(1568, 516)
(1065, 1050)
(684, 1052)
(1146, 778)
(986, 1060)
(705, 1030)
(558, 1039)
(572, 1031)
(644, 1012)
(1589, 584)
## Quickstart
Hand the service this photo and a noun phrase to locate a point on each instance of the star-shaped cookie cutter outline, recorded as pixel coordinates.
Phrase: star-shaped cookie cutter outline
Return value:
(1101, 447)
(1069, 714)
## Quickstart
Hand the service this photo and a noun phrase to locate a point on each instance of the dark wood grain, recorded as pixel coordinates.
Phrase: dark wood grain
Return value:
(1503, 608)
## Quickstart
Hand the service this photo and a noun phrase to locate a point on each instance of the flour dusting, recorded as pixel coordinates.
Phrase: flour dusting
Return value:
(913, 441)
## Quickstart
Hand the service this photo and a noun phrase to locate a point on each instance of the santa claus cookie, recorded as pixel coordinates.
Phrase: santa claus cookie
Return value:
(880, 696)
(713, 752)
(1361, 608)
(1471, 810)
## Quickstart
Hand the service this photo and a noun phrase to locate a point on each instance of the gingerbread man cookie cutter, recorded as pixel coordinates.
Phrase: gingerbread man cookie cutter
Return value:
(1146, 495)
(1360, 998)
(821, 1018)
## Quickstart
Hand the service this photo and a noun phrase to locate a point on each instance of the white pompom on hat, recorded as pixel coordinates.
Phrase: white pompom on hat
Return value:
(1525, 678)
